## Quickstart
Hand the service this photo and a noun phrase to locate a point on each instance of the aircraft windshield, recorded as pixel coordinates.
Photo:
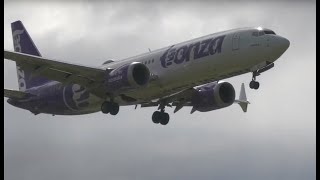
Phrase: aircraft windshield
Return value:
(262, 31)
(258, 33)
(269, 32)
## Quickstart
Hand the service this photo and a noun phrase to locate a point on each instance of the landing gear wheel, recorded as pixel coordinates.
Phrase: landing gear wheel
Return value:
(160, 117)
(257, 85)
(164, 119)
(254, 85)
(114, 109)
(105, 107)
(156, 117)
(110, 107)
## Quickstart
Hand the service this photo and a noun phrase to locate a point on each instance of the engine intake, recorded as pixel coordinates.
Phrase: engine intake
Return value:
(140, 74)
(224, 93)
(127, 77)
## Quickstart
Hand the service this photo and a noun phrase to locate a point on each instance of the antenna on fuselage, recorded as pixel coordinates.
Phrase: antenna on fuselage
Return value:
(149, 49)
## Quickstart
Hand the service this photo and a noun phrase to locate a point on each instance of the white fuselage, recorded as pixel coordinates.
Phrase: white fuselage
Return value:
(241, 52)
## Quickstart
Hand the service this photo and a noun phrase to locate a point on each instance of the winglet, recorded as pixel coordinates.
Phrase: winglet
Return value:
(243, 102)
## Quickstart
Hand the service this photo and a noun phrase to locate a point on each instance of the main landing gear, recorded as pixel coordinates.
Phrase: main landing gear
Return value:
(110, 107)
(161, 116)
(254, 84)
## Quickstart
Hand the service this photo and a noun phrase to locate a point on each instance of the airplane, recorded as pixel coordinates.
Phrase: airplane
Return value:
(187, 74)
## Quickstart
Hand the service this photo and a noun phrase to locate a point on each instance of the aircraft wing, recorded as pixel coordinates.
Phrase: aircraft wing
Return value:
(67, 73)
(183, 98)
(179, 100)
(16, 94)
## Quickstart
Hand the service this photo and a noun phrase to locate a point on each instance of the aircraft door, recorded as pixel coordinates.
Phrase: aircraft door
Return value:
(235, 42)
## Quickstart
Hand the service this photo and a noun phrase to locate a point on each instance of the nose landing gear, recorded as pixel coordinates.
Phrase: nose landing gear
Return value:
(254, 84)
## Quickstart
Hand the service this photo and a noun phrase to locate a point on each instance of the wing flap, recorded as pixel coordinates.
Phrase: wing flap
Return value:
(67, 77)
(179, 100)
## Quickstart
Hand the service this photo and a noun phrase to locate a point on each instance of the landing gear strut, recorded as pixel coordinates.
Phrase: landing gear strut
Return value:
(254, 84)
(110, 107)
(161, 116)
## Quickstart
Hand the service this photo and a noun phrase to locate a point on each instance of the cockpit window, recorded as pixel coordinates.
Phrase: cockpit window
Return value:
(255, 33)
(269, 32)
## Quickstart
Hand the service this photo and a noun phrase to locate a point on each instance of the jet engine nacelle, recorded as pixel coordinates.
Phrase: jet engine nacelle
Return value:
(213, 96)
(127, 77)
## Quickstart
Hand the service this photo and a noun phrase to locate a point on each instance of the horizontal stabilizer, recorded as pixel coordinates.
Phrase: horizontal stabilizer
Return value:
(16, 94)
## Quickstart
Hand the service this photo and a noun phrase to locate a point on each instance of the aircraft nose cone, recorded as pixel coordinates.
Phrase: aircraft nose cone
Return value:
(282, 44)
(285, 43)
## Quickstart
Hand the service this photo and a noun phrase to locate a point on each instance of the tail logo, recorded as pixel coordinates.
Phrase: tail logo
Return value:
(80, 96)
(21, 79)
(17, 48)
(16, 40)
(76, 97)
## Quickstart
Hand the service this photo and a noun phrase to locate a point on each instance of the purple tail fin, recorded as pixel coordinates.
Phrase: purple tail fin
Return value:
(23, 43)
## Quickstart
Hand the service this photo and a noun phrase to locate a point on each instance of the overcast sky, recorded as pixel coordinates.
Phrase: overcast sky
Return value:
(275, 139)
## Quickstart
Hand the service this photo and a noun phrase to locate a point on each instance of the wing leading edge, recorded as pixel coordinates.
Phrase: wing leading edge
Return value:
(67, 73)
(183, 99)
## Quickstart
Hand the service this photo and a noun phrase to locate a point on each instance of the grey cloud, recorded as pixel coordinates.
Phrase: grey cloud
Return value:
(274, 140)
